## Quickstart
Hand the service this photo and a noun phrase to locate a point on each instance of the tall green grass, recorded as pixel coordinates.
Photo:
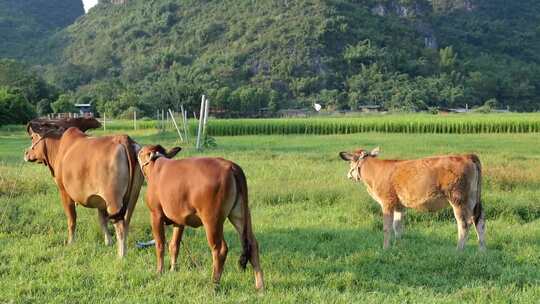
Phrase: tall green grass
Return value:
(404, 123)
(451, 124)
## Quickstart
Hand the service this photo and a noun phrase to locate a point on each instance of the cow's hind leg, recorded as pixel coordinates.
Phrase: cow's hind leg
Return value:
(463, 220)
(249, 244)
(69, 210)
(103, 220)
(218, 246)
(174, 244)
(121, 234)
(133, 196)
(480, 225)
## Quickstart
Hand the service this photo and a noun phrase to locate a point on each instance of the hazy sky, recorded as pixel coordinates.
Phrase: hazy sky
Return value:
(89, 3)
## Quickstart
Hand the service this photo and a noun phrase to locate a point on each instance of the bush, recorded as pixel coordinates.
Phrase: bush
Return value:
(64, 104)
(14, 109)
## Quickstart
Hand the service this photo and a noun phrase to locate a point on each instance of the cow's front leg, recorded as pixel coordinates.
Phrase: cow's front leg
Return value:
(158, 232)
(69, 210)
(174, 244)
(387, 227)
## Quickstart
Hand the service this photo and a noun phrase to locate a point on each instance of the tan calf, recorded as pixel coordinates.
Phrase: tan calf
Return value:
(427, 184)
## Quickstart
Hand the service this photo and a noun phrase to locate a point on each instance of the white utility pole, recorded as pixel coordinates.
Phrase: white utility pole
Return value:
(201, 119)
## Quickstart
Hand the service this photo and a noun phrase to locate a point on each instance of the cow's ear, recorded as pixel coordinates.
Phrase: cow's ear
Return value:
(172, 152)
(32, 128)
(375, 151)
(346, 156)
(154, 155)
(160, 149)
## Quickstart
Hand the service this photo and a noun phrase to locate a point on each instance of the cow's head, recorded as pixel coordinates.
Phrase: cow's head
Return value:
(37, 152)
(148, 154)
(356, 159)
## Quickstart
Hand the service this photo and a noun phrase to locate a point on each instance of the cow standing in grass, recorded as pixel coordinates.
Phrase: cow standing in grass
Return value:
(96, 172)
(194, 192)
(427, 184)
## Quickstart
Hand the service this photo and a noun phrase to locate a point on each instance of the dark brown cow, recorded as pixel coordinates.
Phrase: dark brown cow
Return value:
(96, 172)
(41, 125)
(194, 192)
(424, 184)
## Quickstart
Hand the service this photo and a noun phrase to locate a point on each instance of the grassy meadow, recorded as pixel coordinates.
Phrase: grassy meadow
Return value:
(320, 234)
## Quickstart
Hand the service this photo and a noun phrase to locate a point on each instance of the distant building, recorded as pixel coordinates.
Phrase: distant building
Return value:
(453, 110)
(85, 109)
(369, 108)
(293, 113)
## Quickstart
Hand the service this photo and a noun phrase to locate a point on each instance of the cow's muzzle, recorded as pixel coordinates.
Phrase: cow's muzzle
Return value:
(29, 158)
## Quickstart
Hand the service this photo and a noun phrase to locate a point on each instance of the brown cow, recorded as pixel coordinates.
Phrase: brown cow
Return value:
(96, 172)
(427, 184)
(194, 192)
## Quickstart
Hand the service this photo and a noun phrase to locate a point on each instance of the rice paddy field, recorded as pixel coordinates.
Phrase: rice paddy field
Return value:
(328, 125)
(320, 234)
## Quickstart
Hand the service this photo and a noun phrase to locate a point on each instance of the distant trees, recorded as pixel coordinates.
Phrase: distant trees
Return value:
(64, 104)
(23, 93)
(14, 109)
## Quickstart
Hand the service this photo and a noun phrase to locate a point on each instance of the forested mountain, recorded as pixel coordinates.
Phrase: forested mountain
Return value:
(251, 54)
(26, 25)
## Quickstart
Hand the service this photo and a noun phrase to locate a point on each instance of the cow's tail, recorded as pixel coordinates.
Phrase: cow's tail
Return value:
(128, 144)
(478, 211)
(242, 193)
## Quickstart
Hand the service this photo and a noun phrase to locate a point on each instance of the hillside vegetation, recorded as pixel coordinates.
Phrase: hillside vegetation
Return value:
(27, 25)
(405, 55)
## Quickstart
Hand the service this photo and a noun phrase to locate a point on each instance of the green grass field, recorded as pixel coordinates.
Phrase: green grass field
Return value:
(320, 234)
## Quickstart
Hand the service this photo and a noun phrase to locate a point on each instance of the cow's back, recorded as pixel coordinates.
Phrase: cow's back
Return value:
(179, 185)
(429, 183)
